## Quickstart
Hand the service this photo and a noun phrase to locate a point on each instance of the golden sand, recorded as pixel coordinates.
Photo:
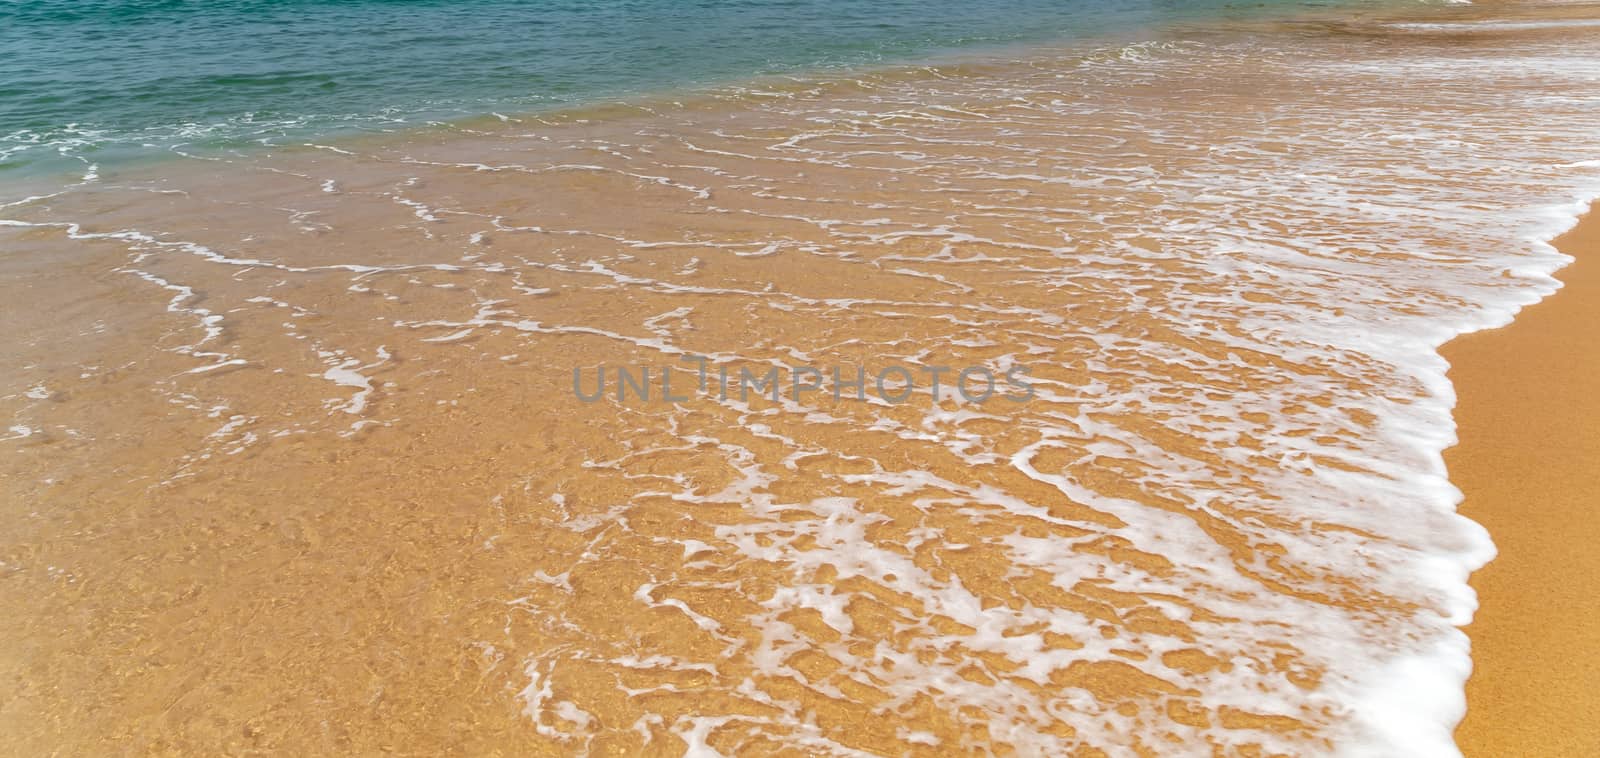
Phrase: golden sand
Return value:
(1529, 465)
(297, 469)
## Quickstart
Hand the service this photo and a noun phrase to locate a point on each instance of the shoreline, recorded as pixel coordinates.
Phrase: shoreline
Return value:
(1525, 464)
(370, 351)
(138, 150)
(484, 118)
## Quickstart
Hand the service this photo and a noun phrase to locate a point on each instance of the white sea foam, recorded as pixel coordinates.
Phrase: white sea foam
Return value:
(1469, 27)
(1232, 263)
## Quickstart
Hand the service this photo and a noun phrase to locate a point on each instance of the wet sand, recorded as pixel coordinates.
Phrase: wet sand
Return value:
(295, 465)
(1527, 464)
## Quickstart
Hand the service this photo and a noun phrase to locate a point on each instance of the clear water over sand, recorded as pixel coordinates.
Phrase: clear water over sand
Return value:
(119, 81)
(295, 463)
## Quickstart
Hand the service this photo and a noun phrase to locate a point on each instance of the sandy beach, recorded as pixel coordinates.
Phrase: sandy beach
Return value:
(1527, 464)
(319, 443)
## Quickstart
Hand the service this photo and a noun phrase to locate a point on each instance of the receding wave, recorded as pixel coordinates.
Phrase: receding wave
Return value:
(340, 375)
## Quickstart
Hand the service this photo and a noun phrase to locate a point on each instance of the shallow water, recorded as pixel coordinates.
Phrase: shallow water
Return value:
(115, 81)
(296, 463)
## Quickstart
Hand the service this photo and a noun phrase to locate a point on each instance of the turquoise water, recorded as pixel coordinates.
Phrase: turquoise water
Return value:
(88, 81)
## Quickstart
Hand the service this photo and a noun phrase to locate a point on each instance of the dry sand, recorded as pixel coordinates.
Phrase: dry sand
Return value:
(1529, 465)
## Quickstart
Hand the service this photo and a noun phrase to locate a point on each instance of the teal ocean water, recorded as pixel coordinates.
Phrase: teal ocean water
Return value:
(88, 83)
(294, 460)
